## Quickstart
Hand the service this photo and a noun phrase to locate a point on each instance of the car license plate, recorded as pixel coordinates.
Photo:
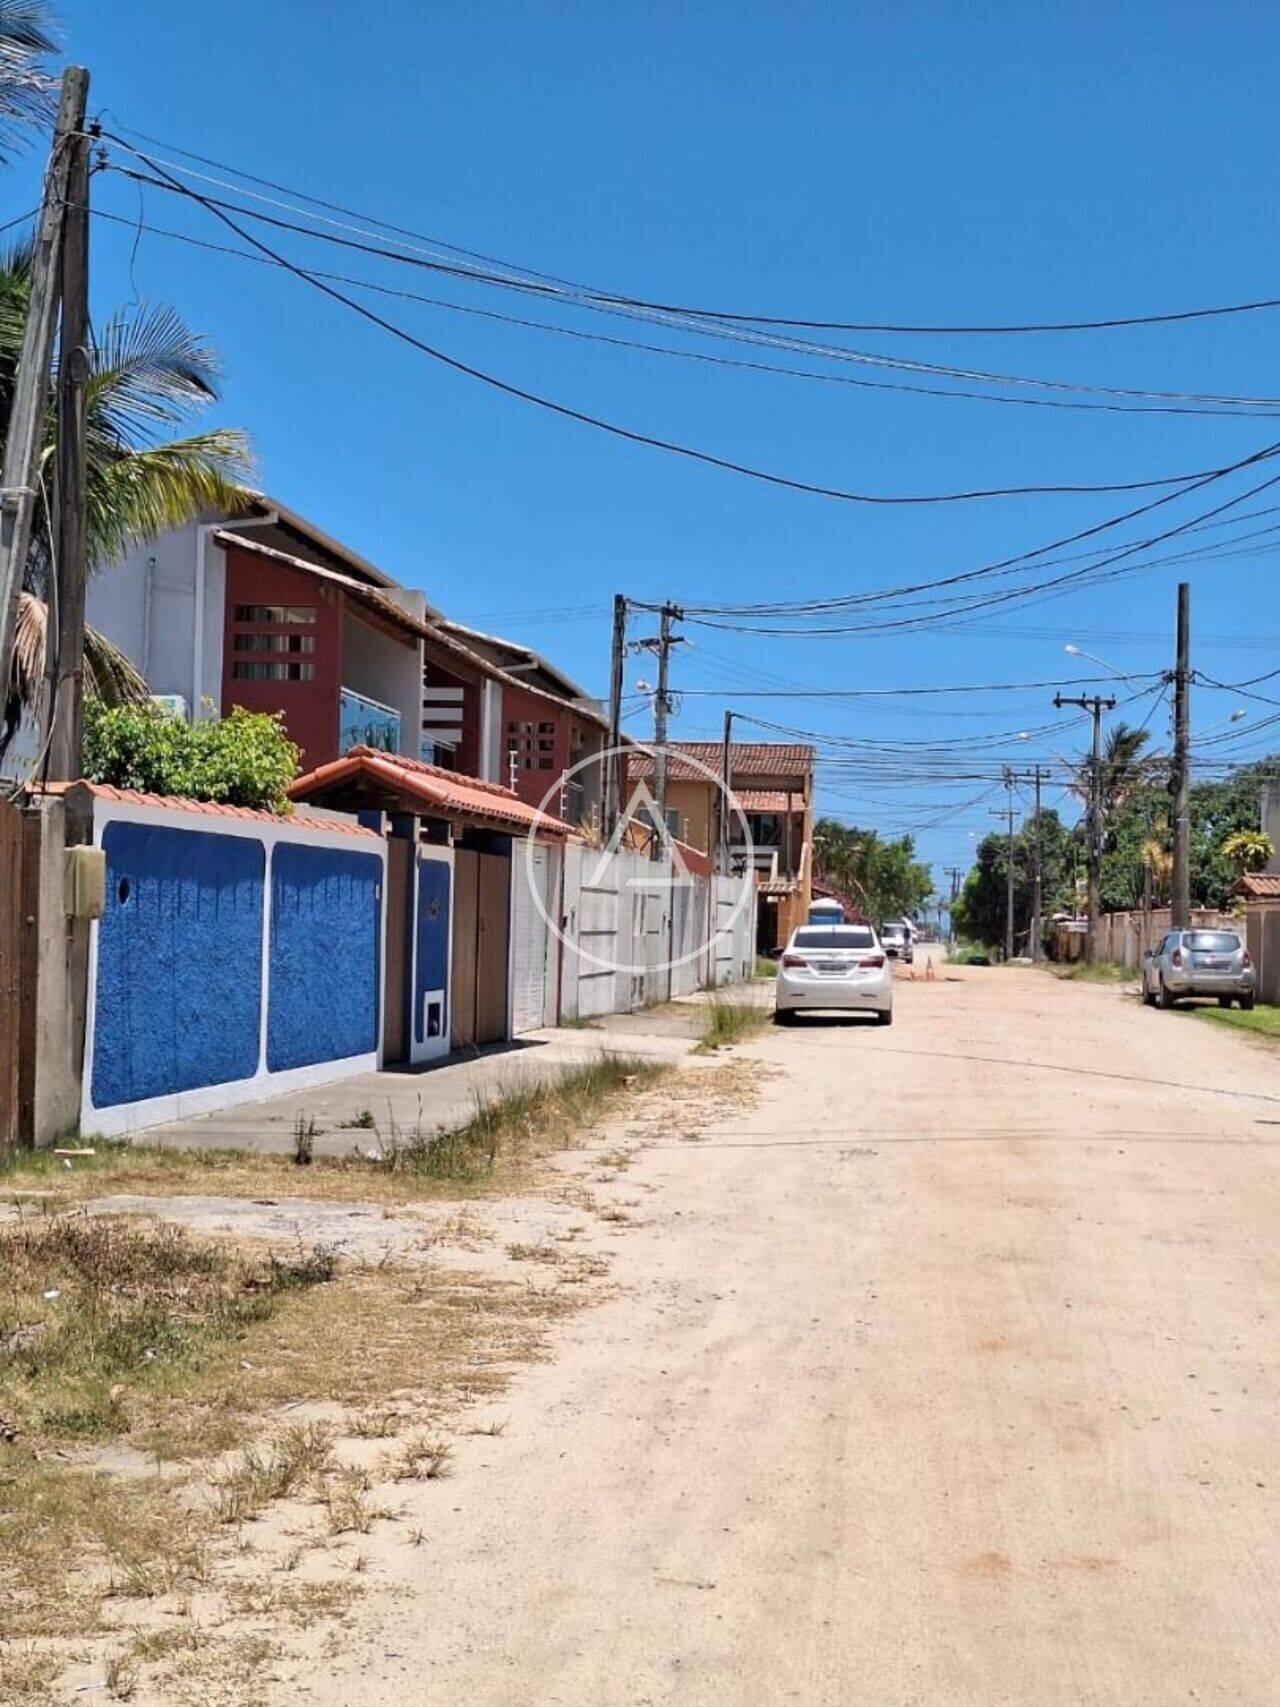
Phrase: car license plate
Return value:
(1214, 962)
(828, 966)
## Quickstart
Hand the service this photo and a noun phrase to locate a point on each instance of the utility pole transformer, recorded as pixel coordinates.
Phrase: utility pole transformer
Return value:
(64, 664)
(1180, 780)
(20, 469)
(1095, 704)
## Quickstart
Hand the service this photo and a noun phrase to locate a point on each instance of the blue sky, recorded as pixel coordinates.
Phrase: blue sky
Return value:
(912, 163)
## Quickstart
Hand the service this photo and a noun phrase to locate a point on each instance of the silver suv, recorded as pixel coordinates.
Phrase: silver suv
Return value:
(1198, 963)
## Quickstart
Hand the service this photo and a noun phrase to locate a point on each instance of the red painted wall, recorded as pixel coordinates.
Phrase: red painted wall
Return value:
(311, 650)
(542, 737)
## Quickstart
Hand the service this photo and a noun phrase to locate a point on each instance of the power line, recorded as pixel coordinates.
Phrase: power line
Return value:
(1106, 323)
(700, 356)
(696, 323)
(653, 442)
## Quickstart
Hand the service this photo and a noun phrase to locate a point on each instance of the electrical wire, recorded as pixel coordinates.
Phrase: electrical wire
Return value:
(1107, 323)
(692, 322)
(700, 356)
(652, 441)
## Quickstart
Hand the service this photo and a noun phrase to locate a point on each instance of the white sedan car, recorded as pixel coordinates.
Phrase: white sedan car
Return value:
(830, 967)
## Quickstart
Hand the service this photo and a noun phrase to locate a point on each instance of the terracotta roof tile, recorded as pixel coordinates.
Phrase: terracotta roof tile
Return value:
(440, 791)
(1260, 886)
(215, 809)
(746, 759)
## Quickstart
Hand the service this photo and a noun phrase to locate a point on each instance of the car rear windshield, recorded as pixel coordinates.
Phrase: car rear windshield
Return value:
(1213, 942)
(834, 936)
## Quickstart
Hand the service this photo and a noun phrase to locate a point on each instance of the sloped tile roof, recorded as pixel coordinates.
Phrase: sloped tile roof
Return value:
(441, 792)
(746, 759)
(1259, 886)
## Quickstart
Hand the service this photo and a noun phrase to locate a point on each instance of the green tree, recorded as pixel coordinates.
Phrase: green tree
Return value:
(883, 876)
(1247, 850)
(243, 759)
(148, 373)
(980, 909)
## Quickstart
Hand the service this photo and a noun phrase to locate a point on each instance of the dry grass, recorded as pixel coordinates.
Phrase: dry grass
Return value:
(730, 1022)
(394, 1162)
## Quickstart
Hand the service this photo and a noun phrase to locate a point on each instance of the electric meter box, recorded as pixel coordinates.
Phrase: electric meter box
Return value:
(85, 880)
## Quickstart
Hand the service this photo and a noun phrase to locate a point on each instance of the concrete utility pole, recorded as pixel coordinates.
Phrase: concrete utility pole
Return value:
(64, 665)
(1180, 780)
(1096, 705)
(726, 777)
(20, 469)
(954, 873)
(662, 645)
(1007, 812)
(612, 762)
(1037, 872)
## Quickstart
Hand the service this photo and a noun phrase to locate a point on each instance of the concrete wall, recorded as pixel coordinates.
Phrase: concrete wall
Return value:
(237, 954)
(385, 669)
(636, 932)
(1262, 936)
(147, 605)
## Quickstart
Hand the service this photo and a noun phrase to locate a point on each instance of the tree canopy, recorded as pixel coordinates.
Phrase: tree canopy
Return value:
(881, 874)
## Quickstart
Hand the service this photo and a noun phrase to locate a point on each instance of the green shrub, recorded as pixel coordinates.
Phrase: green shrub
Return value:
(243, 759)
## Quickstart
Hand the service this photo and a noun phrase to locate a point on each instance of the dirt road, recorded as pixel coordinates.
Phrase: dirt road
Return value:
(944, 1375)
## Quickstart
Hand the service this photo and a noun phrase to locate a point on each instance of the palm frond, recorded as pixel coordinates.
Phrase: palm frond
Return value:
(26, 89)
(149, 370)
(136, 497)
(108, 674)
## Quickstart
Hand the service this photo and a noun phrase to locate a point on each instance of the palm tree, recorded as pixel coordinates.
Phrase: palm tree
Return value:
(26, 89)
(1122, 770)
(148, 372)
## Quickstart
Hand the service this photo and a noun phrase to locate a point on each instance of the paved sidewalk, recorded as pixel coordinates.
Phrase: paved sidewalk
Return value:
(434, 1098)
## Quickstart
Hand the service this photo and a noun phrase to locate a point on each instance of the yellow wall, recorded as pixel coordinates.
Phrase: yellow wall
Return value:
(693, 802)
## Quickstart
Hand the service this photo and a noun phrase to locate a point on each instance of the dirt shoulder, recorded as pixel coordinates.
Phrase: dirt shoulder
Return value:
(943, 1375)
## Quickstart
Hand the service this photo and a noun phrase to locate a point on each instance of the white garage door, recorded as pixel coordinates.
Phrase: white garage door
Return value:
(531, 957)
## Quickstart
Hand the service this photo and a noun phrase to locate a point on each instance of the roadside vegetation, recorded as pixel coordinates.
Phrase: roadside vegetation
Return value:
(730, 1022)
(194, 1416)
(1261, 1022)
(388, 1162)
(1099, 972)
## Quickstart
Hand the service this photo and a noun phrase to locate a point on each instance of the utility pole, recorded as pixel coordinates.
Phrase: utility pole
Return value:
(662, 645)
(726, 774)
(954, 873)
(64, 672)
(1007, 813)
(1096, 705)
(1180, 780)
(1037, 872)
(612, 759)
(20, 469)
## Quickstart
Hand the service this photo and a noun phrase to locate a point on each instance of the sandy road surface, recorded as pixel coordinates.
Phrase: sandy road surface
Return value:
(946, 1374)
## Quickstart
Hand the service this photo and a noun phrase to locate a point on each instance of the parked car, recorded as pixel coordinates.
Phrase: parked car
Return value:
(834, 967)
(897, 941)
(1199, 963)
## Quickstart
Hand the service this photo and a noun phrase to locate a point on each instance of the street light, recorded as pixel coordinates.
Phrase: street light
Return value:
(1079, 652)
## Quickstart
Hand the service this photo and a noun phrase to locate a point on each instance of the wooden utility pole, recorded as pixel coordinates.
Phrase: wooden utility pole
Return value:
(612, 759)
(19, 472)
(64, 674)
(1180, 780)
(1096, 705)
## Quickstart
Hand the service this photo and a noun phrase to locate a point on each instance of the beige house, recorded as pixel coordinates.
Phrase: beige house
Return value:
(772, 786)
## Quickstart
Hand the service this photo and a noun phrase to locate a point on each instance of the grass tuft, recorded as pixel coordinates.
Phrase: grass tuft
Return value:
(729, 1022)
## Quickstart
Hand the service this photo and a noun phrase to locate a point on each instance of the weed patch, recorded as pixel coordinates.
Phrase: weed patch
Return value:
(730, 1022)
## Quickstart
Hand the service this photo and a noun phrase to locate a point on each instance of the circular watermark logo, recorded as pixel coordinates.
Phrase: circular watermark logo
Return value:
(643, 899)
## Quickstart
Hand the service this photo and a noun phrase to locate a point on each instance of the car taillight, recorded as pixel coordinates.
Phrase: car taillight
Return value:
(872, 960)
(1248, 959)
(1175, 959)
(794, 960)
